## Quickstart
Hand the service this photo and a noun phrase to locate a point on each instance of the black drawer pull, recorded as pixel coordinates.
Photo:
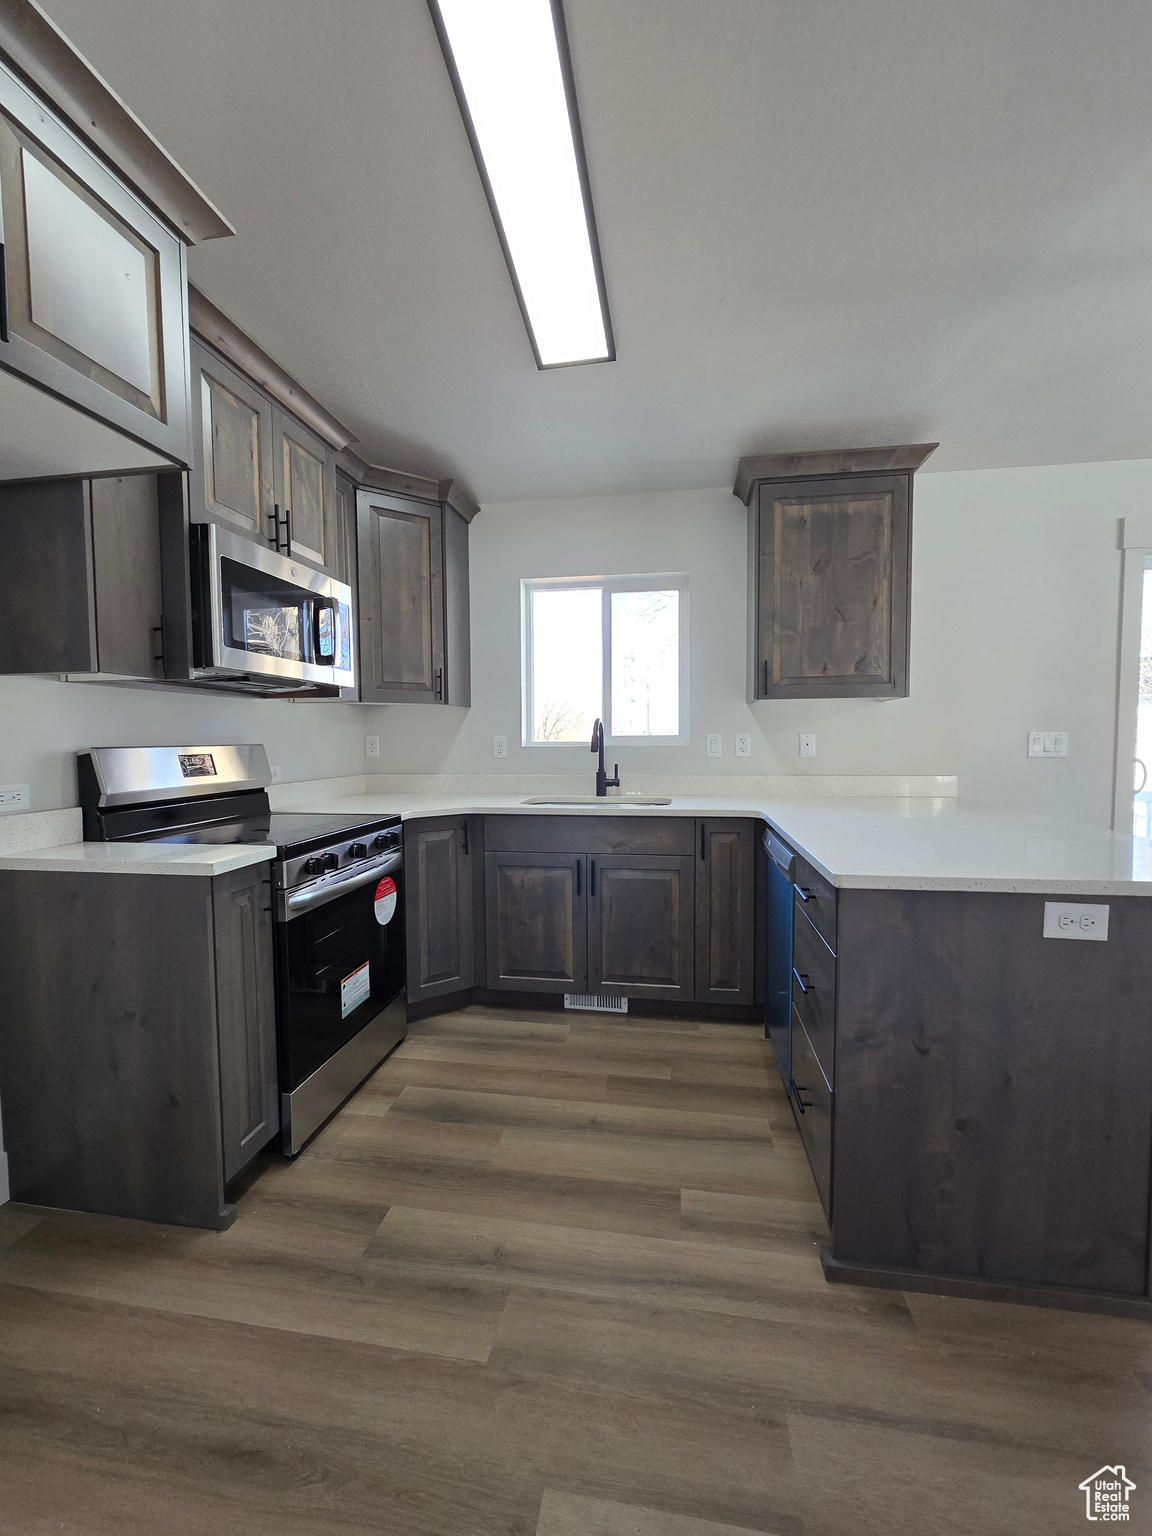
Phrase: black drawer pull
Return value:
(465, 839)
(803, 892)
(578, 863)
(798, 1094)
(804, 982)
(592, 877)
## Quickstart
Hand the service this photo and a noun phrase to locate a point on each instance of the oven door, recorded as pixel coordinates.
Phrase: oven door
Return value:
(263, 614)
(341, 964)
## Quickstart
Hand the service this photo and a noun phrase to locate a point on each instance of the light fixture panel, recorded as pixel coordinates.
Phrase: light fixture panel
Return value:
(511, 70)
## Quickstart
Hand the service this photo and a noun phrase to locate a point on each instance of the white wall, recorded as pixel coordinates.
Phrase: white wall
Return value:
(1016, 579)
(43, 722)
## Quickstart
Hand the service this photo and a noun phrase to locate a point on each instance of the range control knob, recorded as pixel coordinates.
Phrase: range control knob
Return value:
(313, 867)
(357, 851)
(331, 861)
(379, 842)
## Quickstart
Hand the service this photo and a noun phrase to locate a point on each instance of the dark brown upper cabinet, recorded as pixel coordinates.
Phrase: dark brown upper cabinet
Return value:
(232, 468)
(93, 304)
(829, 569)
(414, 618)
(80, 582)
(305, 485)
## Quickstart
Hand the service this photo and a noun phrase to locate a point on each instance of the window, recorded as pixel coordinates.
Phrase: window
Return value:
(614, 648)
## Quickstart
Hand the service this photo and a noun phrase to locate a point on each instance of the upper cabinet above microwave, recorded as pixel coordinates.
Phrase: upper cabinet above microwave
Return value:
(829, 572)
(94, 222)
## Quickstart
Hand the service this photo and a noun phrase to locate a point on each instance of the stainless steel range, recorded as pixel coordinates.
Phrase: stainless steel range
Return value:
(338, 905)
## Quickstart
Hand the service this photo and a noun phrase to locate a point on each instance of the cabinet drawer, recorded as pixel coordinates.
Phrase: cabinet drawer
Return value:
(816, 897)
(812, 1106)
(814, 990)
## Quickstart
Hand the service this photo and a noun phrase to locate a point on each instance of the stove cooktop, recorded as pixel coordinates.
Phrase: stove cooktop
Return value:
(291, 833)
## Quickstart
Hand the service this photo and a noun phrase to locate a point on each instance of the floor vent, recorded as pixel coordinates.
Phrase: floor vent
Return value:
(589, 1003)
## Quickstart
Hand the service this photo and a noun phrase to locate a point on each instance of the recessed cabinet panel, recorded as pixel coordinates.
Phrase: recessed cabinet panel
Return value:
(725, 900)
(640, 926)
(305, 489)
(96, 284)
(127, 577)
(236, 425)
(536, 918)
(437, 861)
(245, 1013)
(401, 599)
(830, 587)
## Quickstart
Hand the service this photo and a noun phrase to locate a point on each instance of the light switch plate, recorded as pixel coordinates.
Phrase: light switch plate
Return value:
(743, 744)
(1047, 743)
(499, 746)
(1075, 920)
(371, 746)
(15, 797)
(274, 770)
(715, 747)
(808, 745)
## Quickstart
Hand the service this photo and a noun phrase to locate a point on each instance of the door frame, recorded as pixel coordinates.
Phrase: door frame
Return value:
(1136, 552)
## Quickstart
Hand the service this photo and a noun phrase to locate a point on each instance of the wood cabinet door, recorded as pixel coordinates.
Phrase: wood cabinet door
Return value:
(127, 577)
(232, 478)
(831, 591)
(536, 906)
(438, 907)
(96, 307)
(245, 1014)
(305, 490)
(401, 577)
(725, 912)
(640, 925)
(457, 612)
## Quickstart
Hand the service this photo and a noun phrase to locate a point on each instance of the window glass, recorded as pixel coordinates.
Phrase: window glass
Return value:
(567, 662)
(645, 663)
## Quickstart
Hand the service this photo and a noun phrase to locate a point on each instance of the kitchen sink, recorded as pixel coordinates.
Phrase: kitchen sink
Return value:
(604, 800)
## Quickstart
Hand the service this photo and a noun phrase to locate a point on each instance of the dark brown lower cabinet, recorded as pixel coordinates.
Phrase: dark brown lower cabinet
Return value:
(438, 901)
(640, 925)
(812, 1104)
(245, 1014)
(725, 904)
(536, 906)
(148, 1077)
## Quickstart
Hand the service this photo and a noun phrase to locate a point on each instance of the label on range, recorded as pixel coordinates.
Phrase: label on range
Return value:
(384, 903)
(354, 989)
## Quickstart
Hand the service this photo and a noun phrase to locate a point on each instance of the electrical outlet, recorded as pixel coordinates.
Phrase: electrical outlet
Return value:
(1075, 920)
(499, 746)
(15, 797)
(275, 772)
(715, 746)
(1047, 743)
(808, 745)
(371, 746)
(743, 744)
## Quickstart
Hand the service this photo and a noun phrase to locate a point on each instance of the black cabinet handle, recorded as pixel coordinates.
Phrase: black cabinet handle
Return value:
(701, 839)
(802, 981)
(578, 877)
(798, 1093)
(765, 677)
(592, 878)
(158, 629)
(3, 296)
(440, 683)
(288, 531)
(465, 839)
(803, 892)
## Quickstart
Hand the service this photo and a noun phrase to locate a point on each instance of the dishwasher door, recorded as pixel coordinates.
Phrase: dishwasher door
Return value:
(778, 1000)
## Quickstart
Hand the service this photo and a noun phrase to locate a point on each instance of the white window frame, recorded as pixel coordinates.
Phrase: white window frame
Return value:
(667, 581)
(1136, 544)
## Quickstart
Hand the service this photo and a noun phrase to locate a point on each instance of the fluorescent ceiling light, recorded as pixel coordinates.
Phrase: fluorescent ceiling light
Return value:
(513, 78)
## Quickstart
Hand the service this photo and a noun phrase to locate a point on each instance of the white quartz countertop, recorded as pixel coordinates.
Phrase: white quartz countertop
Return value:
(142, 858)
(890, 843)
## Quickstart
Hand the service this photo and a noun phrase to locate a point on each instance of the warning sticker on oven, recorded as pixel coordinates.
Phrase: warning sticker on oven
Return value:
(355, 989)
(385, 903)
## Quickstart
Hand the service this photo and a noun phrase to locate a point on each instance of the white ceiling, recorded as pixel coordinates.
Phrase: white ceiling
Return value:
(823, 225)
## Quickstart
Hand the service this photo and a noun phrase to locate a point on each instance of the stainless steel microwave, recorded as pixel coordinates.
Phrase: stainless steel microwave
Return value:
(265, 619)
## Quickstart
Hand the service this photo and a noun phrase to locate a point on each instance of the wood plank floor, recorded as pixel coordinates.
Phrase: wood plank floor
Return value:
(545, 1275)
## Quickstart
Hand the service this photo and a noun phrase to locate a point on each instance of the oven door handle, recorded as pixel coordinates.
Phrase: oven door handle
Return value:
(316, 896)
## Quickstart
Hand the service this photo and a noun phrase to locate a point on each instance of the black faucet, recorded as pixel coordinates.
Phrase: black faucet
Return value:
(603, 782)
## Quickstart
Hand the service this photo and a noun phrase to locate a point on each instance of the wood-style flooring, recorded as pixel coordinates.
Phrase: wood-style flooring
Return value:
(545, 1275)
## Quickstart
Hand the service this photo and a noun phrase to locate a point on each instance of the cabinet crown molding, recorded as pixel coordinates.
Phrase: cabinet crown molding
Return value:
(401, 482)
(37, 50)
(842, 461)
(236, 347)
